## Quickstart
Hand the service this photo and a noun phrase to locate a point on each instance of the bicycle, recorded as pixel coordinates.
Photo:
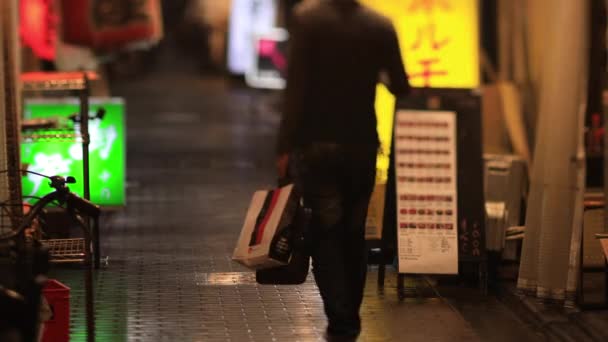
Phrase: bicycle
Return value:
(31, 260)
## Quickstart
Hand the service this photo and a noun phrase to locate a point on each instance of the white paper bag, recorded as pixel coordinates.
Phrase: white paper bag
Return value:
(260, 244)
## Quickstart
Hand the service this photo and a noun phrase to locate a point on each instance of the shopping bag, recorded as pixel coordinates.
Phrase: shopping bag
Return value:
(265, 239)
(296, 271)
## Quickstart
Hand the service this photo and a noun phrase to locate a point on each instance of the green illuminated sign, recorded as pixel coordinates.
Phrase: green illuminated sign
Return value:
(61, 156)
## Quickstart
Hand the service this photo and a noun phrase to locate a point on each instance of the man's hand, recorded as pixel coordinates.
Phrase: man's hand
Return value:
(282, 165)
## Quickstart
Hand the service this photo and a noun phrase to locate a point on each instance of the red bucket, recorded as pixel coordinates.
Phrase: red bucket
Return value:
(57, 329)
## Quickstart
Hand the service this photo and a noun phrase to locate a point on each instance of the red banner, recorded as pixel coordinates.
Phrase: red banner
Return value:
(110, 24)
(38, 27)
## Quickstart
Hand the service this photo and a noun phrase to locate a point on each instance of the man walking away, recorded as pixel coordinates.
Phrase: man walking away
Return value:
(339, 50)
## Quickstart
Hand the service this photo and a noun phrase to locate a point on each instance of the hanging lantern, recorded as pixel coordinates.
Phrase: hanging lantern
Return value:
(38, 27)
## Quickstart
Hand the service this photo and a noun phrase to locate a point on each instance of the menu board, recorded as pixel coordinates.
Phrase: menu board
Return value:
(426, 185)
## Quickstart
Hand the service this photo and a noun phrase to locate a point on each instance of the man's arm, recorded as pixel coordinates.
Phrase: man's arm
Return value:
(397, 82)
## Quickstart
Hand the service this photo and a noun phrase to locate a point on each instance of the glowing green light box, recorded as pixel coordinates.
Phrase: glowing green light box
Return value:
(107, 167)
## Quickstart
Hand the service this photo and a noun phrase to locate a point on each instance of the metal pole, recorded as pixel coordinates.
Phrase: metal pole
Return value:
(86, 169)
(86, 140)
(11, 104)
(84, 131)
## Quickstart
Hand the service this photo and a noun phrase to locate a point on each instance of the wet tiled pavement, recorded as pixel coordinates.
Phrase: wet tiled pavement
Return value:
(197, 149)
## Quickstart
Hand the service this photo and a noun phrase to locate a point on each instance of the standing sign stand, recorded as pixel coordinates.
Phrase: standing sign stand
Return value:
(427, 170)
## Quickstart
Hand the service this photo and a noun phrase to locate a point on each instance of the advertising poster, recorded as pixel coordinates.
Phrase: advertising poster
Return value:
(426, 179)
(56, 156)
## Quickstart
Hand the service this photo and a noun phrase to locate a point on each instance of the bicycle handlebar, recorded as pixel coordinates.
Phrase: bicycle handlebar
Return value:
(34, 211)
(62, 194)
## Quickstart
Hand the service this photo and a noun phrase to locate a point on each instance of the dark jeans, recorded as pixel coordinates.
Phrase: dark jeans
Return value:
(337, 183)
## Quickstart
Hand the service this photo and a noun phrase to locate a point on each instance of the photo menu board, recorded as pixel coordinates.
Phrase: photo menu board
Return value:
(426, 186)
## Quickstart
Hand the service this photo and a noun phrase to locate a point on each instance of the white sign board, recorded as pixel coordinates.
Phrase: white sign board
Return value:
(248, 18)
(425, 171)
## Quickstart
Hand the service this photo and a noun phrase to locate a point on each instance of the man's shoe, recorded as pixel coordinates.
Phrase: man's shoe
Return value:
(340, 338)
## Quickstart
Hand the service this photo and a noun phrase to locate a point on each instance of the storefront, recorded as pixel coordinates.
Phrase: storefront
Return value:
(533, 137)
(495, 165)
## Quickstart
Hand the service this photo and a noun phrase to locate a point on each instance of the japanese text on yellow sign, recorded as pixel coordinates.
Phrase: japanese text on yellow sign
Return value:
(438, 38)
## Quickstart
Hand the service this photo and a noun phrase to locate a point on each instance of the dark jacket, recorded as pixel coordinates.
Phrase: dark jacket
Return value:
(338, 49)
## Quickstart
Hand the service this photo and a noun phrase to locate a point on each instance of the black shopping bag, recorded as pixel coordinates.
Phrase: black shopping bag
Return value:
(293, 235)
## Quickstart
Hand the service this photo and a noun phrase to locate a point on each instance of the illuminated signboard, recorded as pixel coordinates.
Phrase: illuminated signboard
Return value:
(64, 157)
(248, 18)
(270, 64)
(438, 38)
